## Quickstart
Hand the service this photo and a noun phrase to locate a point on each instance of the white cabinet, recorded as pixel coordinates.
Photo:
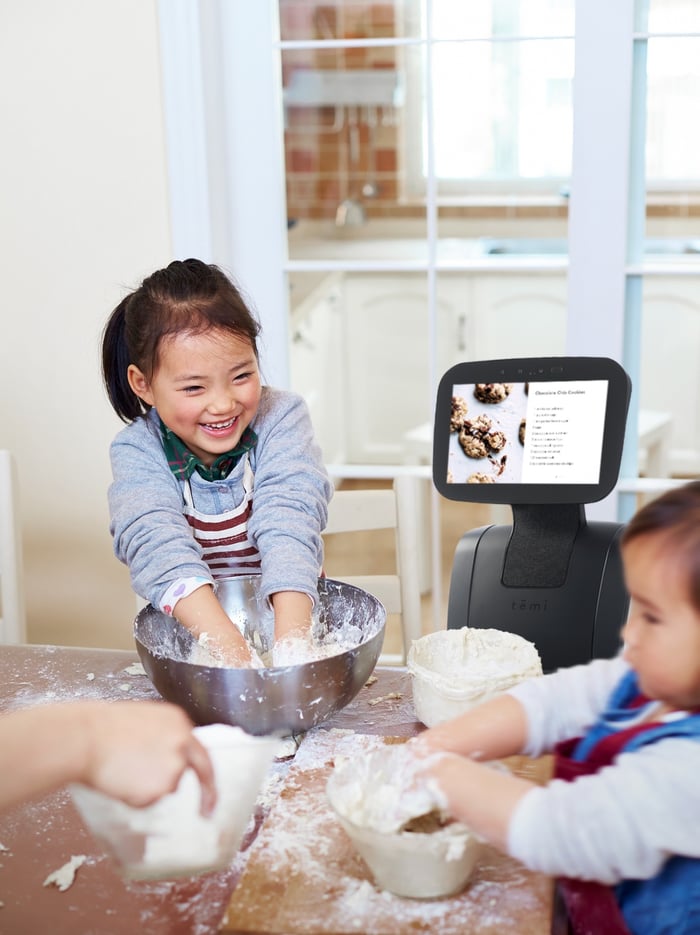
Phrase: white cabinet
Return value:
(517, 315)
(362, 349)
(388, 343)
(317, 364)
(388, 357)
(670, 369)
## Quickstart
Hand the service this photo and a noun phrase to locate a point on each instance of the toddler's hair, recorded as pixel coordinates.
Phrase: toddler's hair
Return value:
(676, 514)
(187, 296)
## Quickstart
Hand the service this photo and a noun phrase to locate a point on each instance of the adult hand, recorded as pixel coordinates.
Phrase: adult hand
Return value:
(138, 750)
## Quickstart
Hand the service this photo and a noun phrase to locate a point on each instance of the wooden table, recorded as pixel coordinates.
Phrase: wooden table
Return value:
(253, 895)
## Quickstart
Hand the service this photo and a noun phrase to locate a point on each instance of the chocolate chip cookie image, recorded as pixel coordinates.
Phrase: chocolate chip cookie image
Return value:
(472, 444)
(496, 441)
(478, 439)
(478, 426)
(492, 392)
(478, 477)
(458, 413)
(521, 431)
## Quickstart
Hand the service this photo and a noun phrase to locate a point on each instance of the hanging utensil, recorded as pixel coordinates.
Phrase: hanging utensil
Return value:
(370, 189)
(350, 212)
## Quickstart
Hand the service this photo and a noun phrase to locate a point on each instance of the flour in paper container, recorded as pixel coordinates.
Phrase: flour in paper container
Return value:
(452, 670)
(487, 659)
(380, 791)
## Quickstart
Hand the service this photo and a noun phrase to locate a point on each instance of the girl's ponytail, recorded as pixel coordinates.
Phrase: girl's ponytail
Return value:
(115, 365)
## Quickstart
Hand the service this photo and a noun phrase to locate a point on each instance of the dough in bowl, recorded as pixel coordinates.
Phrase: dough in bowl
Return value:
(453, 670)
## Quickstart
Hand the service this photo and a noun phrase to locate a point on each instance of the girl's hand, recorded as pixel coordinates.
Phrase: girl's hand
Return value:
(211, 626)
(138, 750)
(292, 615)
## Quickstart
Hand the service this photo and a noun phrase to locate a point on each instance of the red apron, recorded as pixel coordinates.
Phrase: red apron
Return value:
(226, 546)
(591, 907)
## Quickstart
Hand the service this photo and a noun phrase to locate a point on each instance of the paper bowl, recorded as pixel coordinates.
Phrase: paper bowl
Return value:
(171, 838)
(419, 864)
(454, 670)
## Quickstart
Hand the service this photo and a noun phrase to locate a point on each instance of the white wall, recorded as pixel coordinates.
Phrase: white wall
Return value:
(84, 217)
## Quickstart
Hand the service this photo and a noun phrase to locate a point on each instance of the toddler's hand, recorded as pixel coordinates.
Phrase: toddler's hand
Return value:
(390, 788)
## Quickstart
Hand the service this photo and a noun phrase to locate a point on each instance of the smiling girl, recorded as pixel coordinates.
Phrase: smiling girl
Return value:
(215, 474)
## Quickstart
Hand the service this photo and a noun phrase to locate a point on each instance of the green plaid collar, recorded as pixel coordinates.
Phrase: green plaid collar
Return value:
(183, 463)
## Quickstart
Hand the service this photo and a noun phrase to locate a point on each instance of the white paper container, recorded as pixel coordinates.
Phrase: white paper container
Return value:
(453, 670)
(419, 865)
(171, 838)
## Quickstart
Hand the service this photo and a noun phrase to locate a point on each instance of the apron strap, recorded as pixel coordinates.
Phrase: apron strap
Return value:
(248, 482)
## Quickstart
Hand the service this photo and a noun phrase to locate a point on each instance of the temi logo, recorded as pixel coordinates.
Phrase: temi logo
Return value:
(531, 607)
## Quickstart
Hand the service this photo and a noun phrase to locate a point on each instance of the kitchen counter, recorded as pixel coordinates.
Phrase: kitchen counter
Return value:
(464, 252)
(38, 838)
(413, 253)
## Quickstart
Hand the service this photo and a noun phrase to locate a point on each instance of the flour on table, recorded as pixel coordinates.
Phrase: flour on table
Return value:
(65, 875)
(135, 669)
(300, 841)
(392, 696)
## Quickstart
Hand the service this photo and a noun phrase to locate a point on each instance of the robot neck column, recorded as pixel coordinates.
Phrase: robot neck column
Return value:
(540, 546)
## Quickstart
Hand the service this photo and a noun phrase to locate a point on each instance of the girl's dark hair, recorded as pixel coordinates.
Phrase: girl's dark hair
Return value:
(188, 295)
(676, 514)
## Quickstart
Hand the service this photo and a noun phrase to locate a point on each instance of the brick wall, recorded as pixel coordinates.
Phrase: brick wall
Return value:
(332, 152)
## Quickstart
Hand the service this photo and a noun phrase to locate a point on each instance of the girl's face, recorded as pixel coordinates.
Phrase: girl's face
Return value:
(206, 389)
(662, 633)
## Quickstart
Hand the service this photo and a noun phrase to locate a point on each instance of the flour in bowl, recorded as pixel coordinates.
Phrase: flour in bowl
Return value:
(381, 790)
(320, 643)
(452, 670)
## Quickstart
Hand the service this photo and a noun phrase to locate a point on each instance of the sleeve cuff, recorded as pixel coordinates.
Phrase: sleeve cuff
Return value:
(183, 587)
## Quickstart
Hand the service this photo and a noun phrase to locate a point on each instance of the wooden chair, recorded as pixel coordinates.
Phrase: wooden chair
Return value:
(389, 508)
(13, 627)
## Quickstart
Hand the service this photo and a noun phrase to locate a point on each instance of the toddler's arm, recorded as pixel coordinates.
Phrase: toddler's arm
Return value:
(489, 731)
(478, 795)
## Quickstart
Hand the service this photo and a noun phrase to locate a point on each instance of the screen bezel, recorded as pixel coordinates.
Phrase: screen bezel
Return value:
(524, 370)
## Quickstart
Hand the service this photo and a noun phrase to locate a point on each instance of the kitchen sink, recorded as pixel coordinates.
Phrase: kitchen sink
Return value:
(533, 246)
(450, 249)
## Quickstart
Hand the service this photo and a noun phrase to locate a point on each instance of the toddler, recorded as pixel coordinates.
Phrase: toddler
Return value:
(620, 822)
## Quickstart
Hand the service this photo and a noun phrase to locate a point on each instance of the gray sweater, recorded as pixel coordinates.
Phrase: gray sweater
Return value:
(290, 502)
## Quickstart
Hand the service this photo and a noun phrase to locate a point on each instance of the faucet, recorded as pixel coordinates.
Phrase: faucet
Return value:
(350, 213)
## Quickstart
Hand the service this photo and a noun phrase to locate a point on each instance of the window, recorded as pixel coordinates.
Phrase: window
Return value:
(502, 74)
(506, 67)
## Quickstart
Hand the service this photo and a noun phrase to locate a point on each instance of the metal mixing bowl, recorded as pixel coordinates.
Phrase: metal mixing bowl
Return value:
(262, 701)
